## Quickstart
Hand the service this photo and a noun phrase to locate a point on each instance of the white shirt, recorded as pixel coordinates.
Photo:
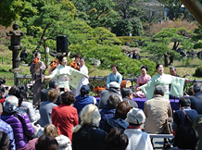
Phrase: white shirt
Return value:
(138, 140)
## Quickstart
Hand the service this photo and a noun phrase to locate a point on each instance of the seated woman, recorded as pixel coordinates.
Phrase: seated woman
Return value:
(118, 120)
(63, 141)
(144, 78)
(87, 135)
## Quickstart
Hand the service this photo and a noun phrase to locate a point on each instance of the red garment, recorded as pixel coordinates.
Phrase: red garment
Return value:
(64, 117)
(2, 100)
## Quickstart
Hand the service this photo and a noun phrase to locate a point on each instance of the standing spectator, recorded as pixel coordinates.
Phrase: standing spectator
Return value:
(137, 139)
(65, 116)
(23, 56)
(4, 141)
(46, 143)
(114, 88)
(37, 69)
(127, 95)
(115, 76)
(157, 110)
(180, 118)
(4, 127)
(87, 135)
(109, 109)
(84, 99)
(21, 93)
(196, 98)
(18, 120)
(63, 141)
(116, 140)
(46, 108)
(118, 121)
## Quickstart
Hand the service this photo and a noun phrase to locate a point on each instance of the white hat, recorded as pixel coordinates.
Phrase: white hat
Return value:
(135, 116)
(114, 85)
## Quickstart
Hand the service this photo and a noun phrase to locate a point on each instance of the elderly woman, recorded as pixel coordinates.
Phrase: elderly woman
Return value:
(177, 84)
(87, 135)
(65, 116)
(66, 75)
(63, 141)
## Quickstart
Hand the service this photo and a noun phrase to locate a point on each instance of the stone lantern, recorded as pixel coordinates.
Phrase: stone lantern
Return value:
(15, 46)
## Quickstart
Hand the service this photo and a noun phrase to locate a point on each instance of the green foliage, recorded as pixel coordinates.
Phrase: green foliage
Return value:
(198, 72)
(137, 27)
(198, 45)
(187, 45)
(134, 44)
(197, 37)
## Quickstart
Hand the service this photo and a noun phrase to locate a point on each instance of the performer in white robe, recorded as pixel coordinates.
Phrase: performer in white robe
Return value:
(177, 84)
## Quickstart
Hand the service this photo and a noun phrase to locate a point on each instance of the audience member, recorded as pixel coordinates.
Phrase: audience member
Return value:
(46, 143)
(118, 120)
(84, 99)
(65, 116)
(4, 141)
(116, 140)
(21, 93)
(2, 94)
(115, 76)
(173, 71)
(4, 127)
(87, 135)
(114, 88)
(127, 95)
(63, 141)
(196, 98)
(46, 108)
(180, 117)
(157, 110)
(44, 92)
(18, 120)
(198, 127)
(109, 109)
(137, 139)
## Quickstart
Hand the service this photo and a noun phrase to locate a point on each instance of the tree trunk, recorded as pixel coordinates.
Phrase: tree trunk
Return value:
(165, 60)
(171, 59)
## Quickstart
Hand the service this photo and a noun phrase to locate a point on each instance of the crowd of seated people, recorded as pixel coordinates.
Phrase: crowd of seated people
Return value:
(79, 123)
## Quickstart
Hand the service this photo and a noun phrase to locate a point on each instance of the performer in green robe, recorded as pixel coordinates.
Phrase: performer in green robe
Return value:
(177, 84)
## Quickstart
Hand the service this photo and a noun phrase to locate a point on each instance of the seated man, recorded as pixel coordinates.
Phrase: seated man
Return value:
(46, 108)
(115, 76)
(196, 99)
(127, 95)
(18, 120)
(157, 110)
(114, 88)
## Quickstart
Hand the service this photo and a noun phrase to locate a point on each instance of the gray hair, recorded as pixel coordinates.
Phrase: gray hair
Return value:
(159, 90)
(113, 101)
(173, 67)
(197, 87)
(11, 100)
(126, 91)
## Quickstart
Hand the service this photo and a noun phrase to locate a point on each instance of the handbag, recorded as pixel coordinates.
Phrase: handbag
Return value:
(167, 127)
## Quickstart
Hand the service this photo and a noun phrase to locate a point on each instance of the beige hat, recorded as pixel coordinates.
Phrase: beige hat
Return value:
(114, 85)
(135, 116)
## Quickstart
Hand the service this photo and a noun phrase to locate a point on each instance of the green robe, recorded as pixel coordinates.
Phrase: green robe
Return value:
(177, 85)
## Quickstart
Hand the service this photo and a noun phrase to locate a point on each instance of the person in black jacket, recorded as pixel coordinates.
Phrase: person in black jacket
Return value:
(87, 135)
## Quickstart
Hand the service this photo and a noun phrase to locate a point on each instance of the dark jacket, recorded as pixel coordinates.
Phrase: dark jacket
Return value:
(20, 123)
(89, 137)
(44, 96)
(106, 113)
(196, 102)
(117, 123)
(131, 102)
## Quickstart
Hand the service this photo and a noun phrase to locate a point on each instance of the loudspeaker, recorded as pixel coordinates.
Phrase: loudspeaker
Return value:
(62, 43)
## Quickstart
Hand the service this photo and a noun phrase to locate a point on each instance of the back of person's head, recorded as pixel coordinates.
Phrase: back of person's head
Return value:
(2, 81)
(89, 115)
(197, 87)
(116, 140)
(85, 89)
(113, 101)
(4, 141)
(125, 92)
(52, 95)
(68, 98)
(2, 91)
(159, 90)
(46, 143)
(135, 116)
(14, 90)
(184, 101)
(23, 90)
(11, 100)
(50, 130)
(122, 109)
(52, 84)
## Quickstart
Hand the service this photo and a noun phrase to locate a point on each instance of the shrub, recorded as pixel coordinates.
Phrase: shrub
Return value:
(125, 39)
(134, 44)
(198, 45)
(198, 72)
